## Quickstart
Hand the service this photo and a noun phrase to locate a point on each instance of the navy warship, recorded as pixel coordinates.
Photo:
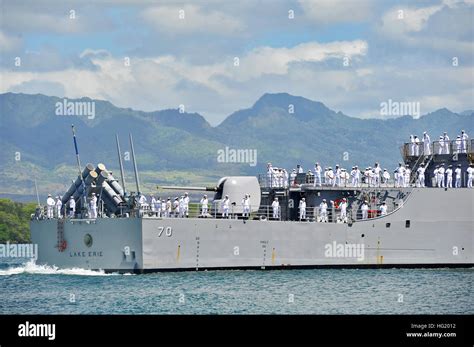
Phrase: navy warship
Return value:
(418, 226)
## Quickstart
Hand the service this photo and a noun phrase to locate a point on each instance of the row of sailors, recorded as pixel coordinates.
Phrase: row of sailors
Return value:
(323, 210)
(443, 178)
(54, 208)
(225, 206)
(180, 206)
(165, 208)
(460, 142)
(339, 177)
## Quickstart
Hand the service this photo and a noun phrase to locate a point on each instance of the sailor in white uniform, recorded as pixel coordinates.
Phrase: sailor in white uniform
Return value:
(176, 207)
(344, 177)
(383, 209)
(59, 205)
(337, 176)
(186, 204)
(356, 177)
(153, 204)
(204, 205)
(407, 175)
(457, 183)
(302, 208)
(470, 174)
(464, 139)
(426, 144)
(317, 175)
(276, 208)
(50, 203)
(435, 175)
(299, 168)
(281, 178)
(343, 208)
(330, 175)
(169, 207)
(449, 176)
(400, 175)
(417, 146)
(412, 145)
(286, 178)
(181, 206)
(420, 176)
(441, 178)
(164, 208)
(441, 145)
(446, 143)
(93, 206)
(377, 171)
(269, 175)
(458, 143)
(158, 207)
(385, 177)
(246, 206)
(365, 210)
(225, 207)
(142, 203)
(293, 177)
(372, 177)
(323, 211)
(72, 207)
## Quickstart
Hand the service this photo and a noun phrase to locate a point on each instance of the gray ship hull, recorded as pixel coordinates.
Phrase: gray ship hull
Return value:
(434, 227)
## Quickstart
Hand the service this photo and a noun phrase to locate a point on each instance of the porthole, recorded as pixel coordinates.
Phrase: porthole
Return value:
(88, 240)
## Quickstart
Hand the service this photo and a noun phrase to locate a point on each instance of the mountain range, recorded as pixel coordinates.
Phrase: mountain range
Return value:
(182, 148)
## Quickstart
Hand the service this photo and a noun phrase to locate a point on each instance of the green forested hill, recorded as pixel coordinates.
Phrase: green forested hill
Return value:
(14, 221)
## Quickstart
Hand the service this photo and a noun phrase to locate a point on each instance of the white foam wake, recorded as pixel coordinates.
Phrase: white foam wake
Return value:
(31, 268)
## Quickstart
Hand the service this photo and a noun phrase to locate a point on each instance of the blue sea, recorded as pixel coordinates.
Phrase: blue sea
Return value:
(26, 288)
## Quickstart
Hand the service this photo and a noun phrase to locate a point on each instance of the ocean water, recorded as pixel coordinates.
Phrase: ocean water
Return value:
(26, 288)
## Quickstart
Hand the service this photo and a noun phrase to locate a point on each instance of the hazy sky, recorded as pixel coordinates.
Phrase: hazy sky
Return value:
(149, 55)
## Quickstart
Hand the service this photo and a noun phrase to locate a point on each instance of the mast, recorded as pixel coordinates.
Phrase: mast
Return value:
(84, 204)
(134, 164)
(122, 174)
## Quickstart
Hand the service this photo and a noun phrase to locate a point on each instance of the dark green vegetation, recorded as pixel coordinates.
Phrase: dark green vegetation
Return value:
(181, 148)
(14, 221)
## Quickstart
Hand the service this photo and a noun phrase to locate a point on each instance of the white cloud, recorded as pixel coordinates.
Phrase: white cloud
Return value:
(398, 21)
(337, 11)
(430, 27)
(9, 43)
(191, 20)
